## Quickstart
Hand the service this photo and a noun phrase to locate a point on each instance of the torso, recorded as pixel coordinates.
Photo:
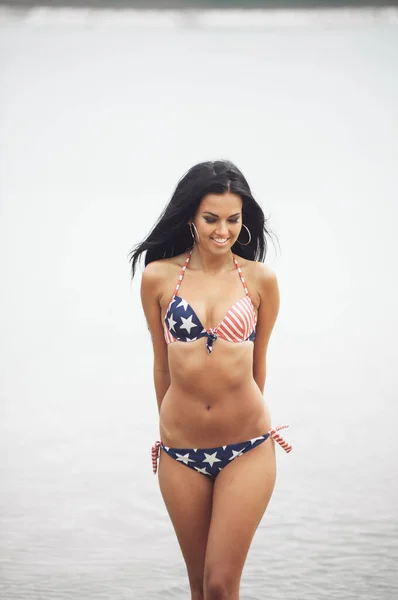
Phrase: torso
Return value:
(213, 399)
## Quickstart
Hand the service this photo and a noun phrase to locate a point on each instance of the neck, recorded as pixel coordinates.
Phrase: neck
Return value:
(210, 263)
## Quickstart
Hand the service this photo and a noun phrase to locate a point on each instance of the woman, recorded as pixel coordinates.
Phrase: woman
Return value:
(210, 308)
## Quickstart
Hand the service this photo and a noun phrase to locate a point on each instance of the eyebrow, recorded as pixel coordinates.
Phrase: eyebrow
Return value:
(214, 215)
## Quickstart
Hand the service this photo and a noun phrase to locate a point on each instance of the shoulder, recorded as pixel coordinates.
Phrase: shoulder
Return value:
(267, 285)
(262, 283)
(268, 290)
(158, 272)
(152, 282)
(154, 271)
(260, 275)
(161, 268)
(153, 276)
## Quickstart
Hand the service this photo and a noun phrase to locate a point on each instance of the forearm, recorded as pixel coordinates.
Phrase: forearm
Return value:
(161, 379)
(259, 376)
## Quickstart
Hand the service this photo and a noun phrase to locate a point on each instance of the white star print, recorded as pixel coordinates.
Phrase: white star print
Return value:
(187, 324)
(235, 454)
(171, 322)
(223, 447)
(257, 438)
(184, 458)
(211, 458)
(192, 339)
(203, 471)
(183, 303)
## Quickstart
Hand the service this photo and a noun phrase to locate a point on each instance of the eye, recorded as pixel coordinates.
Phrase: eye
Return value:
(212, 220)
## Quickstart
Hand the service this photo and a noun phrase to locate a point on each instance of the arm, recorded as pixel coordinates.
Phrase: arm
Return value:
(267, 313)
(150, 297)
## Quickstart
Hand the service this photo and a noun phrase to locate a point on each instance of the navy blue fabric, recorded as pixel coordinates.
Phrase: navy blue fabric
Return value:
(252, 336)
(183, 322)
(210, 461)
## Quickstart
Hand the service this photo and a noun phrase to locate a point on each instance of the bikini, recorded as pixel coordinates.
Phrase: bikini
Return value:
(182, 324)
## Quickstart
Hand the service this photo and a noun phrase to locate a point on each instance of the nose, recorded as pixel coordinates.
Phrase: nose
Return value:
(222, 229)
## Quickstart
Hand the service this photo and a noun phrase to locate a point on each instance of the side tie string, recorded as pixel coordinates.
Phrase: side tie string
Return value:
(278, 438)
(155, 455)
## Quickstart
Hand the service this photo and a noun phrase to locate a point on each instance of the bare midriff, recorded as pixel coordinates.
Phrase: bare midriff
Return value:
(213, 399)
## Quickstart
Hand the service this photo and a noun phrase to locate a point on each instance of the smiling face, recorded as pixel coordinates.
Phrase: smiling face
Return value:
(218, 221)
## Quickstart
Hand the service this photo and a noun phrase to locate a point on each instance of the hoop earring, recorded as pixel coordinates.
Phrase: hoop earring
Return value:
(250, 236)
(195, 235)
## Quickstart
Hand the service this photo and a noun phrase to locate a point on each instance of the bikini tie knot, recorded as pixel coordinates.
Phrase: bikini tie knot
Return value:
(211, 337)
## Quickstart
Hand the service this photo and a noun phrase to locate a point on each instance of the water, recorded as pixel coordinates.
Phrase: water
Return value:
(98, 123)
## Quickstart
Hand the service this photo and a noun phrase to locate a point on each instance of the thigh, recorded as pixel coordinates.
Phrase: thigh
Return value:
(242, 491)
(188, 498)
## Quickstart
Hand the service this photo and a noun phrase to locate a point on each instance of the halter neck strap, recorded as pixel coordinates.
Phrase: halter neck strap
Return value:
(182, 273)
(241, 276)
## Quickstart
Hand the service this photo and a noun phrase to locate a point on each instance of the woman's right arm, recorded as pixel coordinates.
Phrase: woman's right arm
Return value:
(151, 292)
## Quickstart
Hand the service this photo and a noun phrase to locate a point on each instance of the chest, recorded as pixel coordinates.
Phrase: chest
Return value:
(208, 298)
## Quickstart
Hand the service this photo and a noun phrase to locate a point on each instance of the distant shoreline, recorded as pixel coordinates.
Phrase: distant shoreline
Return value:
(232, 18)
(195, 4)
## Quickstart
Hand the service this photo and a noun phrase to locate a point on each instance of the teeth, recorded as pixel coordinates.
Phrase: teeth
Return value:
(221, 241)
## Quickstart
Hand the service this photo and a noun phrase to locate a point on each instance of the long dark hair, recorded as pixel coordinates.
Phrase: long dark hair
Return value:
(171, 235)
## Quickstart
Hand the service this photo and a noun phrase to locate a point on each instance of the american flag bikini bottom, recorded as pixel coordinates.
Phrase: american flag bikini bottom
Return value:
(210, 461)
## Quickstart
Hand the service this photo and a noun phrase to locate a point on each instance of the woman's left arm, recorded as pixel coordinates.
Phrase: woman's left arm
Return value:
(268, 291)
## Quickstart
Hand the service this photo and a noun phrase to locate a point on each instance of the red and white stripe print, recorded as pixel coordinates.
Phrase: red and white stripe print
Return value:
(278, 438)
(239, 321)
(182, 274)
(155, 456)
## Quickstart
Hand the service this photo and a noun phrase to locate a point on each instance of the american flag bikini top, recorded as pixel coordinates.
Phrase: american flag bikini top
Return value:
(181, 323)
